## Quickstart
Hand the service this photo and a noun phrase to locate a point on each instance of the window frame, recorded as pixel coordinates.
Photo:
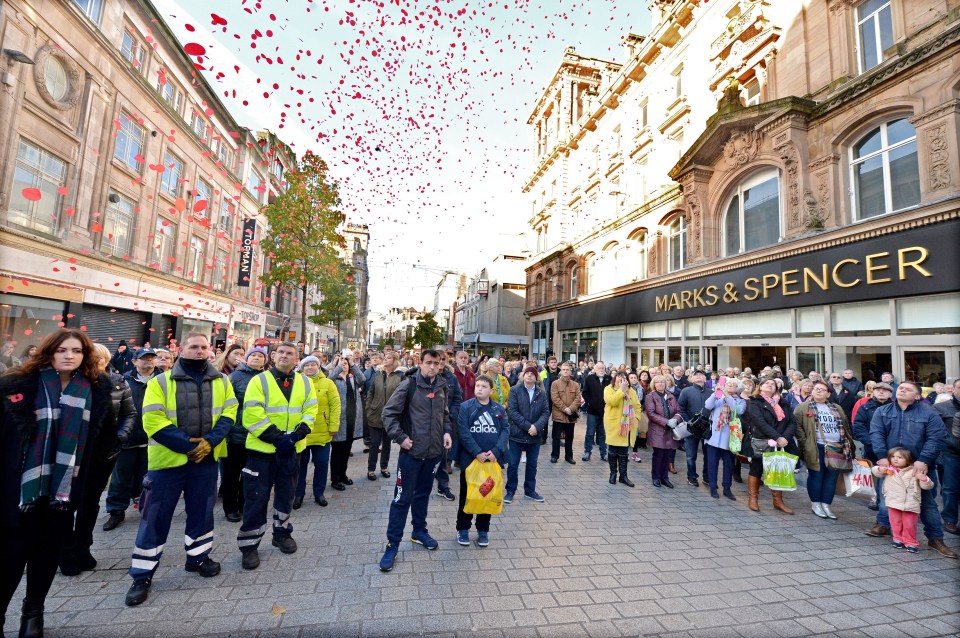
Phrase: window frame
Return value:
(167, 171)
(166, 237)
(122, 153)
(873, 17)
(884, 154)
(203, 184)
(170, 93)
(221, 270)
(137, 53)
(93, 9)
(752, 180)
(39, 176)
(196, 247)
(110, 221)
(227, 211)
(681, 234)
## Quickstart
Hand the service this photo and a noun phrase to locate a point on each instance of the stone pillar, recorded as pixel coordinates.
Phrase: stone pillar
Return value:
(789, 142)
(938, 151)
(702, 230)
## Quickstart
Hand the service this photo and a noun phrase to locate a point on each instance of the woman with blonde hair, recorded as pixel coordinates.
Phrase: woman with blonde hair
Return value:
(664, 413)
(620, 421)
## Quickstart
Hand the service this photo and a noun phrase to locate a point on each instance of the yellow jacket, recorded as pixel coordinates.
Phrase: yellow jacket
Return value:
(613, 399)
(502, 395)
(328, 410)
(264, 405)
(160, 413)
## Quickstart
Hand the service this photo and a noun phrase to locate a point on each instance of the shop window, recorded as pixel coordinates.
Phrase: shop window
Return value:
(885, 172)
(129, 148)
(693, 328)
(21, 316)
(164, 243)
(752, 220)
(761, 325)
(117, 235)
(810, 322)
(91, 8)
(172, 173)
(653, 330)
(36, 168)
(865, 319)
(874, 32)
(931, 315)
(676, 244)
(810, 359)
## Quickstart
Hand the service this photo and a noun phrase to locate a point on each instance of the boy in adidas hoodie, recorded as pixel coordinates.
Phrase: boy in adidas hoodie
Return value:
(484, 435)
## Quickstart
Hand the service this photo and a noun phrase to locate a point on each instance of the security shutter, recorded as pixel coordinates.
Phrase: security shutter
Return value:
(109, 328)
(163, 332)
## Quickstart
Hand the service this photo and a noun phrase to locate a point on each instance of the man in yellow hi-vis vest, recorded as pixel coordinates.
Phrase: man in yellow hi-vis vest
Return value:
(279, 409)
(187, 412)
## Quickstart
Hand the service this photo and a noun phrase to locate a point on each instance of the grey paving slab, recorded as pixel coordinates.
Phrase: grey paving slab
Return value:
(593, 560)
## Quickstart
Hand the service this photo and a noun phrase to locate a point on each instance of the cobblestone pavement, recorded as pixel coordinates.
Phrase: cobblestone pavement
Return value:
(593, 560)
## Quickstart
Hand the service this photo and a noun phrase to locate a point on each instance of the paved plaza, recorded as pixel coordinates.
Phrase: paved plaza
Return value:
(593, 560)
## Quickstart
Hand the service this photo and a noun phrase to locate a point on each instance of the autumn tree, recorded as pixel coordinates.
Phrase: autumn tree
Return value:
(428, 332)
(303, 236)
(338, 298)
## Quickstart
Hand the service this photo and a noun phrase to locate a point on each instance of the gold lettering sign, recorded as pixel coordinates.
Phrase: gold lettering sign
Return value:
(874, 269)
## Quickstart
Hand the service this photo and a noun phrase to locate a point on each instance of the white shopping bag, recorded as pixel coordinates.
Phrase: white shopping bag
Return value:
(860, 480)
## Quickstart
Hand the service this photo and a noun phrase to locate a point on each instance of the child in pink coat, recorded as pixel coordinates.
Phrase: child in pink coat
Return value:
(901, 492)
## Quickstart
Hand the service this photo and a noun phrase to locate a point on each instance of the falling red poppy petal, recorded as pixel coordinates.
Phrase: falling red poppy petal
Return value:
(192, 48)
(31, 194)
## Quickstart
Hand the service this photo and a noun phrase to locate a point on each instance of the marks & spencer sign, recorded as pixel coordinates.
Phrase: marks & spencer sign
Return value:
(913, 262)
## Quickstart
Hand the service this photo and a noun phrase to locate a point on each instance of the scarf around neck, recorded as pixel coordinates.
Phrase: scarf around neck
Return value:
(777, 410)
(52, 457)
(627, 415)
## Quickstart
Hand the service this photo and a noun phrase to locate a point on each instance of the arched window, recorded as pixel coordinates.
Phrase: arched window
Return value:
(676, 244)
(549, 284)
(574, 272)
(635, 268)
(885, 173)
(643, 255)
(538, 296)
(752, 220)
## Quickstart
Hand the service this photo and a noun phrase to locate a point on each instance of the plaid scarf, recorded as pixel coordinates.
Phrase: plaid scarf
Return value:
(52, 457)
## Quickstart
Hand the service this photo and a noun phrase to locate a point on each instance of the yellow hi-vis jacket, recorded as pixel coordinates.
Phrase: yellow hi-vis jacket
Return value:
(160, 411)
(264, 405)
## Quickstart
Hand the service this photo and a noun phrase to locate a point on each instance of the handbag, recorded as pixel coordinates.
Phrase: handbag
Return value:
(682, 431)
(736, 435)
(836, 456)
(699, 425)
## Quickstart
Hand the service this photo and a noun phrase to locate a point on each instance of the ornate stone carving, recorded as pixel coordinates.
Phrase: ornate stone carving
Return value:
(742, 147)
(72, 96)
(654, 263)
(788, 154)
(939, 157)
(824, 161)
(694, 220)
(823, 193)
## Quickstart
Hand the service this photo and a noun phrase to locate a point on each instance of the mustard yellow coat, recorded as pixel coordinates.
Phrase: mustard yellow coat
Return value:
(613, 399)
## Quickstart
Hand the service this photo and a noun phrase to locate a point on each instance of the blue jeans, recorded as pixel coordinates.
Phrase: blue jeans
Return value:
(714, 455)
(951, 485)
(822, 485)
(929, 512)
(411, 494)
(691, 445)
(530, 474)
(595, 430)
(127, 479)
(321, 465)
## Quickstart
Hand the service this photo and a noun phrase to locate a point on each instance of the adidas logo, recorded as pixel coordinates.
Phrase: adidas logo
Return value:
(483, 429)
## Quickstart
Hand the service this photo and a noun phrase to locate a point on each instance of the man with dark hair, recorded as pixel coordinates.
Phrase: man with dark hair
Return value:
(950, 459)
(528, 414)
(565, 399)
(691, 403)
(417, 418)
(454, 399)
(547, 376)
(907, 423)
(593, 386)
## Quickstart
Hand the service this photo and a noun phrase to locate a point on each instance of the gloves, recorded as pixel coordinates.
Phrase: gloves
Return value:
(300, 433)
(201, 451)
(285, 443)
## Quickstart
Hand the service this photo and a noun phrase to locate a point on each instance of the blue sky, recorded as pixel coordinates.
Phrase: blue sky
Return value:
(420, 108)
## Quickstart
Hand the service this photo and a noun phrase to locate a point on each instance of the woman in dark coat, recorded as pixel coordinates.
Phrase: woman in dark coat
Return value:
(661, 407)
(768, 417)
(231, 466)
(76, 556)
(54, 449)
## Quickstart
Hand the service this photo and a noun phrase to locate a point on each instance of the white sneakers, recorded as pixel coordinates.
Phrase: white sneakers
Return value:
(823, 510)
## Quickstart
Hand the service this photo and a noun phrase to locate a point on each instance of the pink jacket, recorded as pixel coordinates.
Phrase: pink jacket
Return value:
(901, 490)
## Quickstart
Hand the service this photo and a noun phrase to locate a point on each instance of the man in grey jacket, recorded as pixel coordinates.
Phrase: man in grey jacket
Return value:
(417, 418)
(691, 403)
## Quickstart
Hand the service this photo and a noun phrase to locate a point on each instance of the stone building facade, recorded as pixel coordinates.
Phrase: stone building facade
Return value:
(757, 182)
(126, 186)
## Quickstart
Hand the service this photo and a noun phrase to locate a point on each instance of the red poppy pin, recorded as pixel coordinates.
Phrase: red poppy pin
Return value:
(16, 398)
(431, 395)
(809, 413)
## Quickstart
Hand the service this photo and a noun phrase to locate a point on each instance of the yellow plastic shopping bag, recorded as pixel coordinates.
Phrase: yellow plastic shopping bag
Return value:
(484, 488)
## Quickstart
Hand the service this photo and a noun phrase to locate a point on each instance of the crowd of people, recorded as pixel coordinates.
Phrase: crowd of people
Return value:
(152, 425)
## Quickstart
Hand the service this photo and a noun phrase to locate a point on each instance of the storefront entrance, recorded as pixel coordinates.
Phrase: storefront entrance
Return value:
(757, 358)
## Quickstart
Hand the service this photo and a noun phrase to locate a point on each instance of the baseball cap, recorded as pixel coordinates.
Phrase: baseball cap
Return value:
(142, 352)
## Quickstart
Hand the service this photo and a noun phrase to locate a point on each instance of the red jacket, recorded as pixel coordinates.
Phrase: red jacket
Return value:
(466, 381)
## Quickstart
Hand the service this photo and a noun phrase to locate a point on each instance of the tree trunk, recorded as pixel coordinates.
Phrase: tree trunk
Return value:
(303, 318)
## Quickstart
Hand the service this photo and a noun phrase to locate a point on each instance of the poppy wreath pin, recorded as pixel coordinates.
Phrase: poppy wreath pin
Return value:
(431, 395)
(810, 414)
(15, 398)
